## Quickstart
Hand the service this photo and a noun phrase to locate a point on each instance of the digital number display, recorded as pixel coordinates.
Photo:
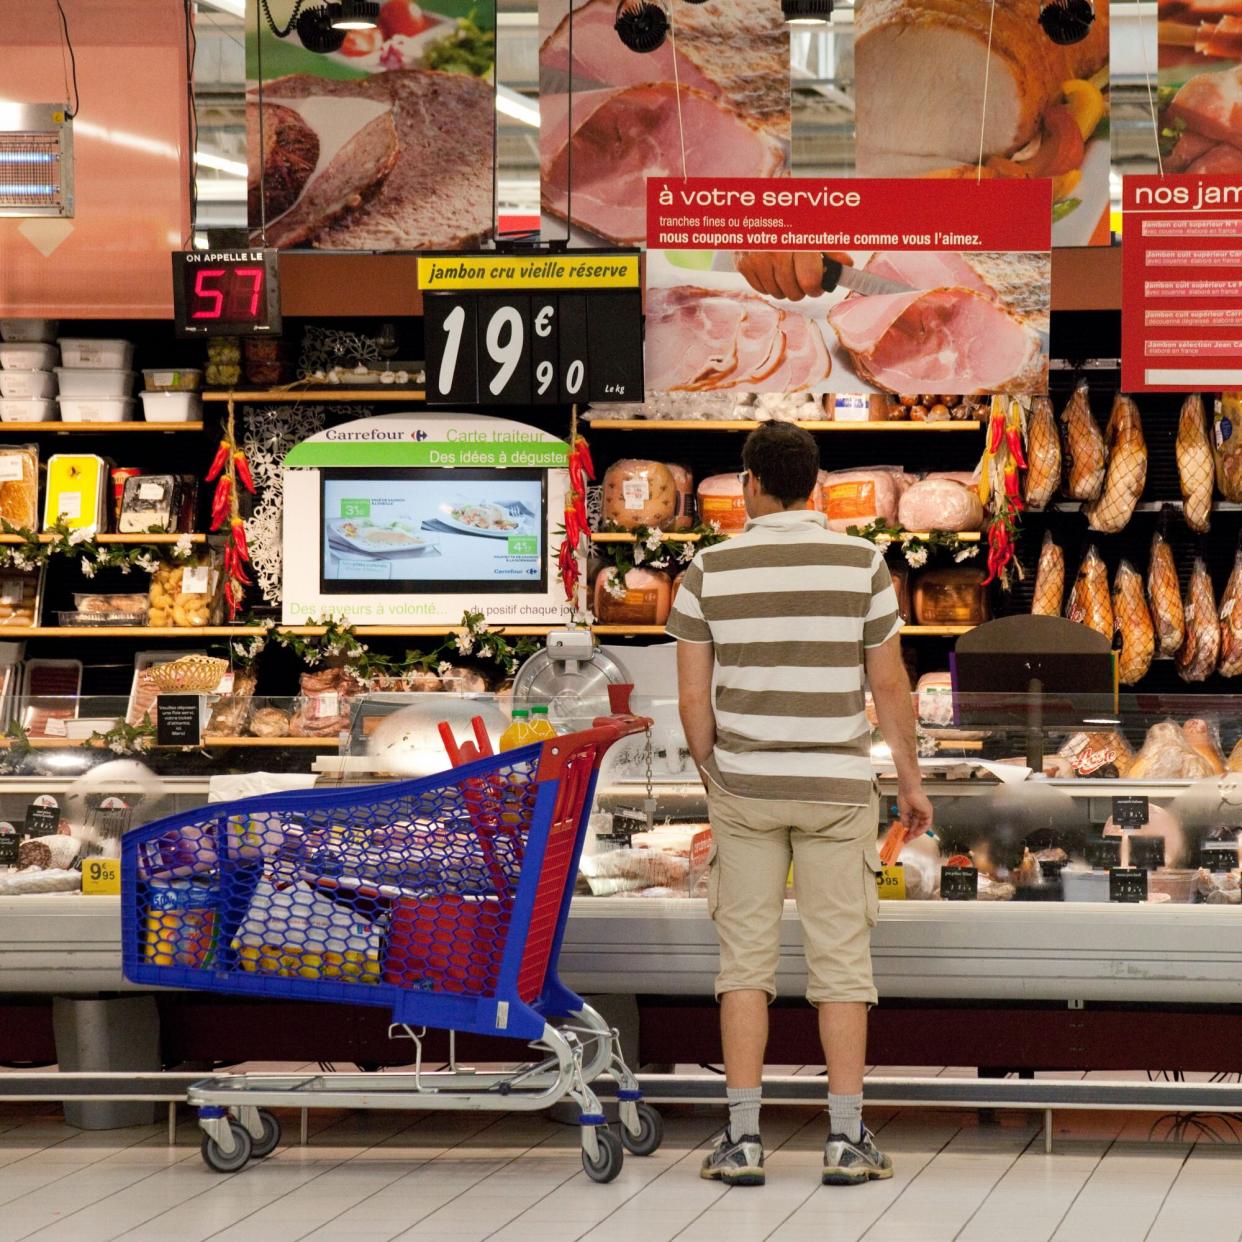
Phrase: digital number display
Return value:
(233, 292)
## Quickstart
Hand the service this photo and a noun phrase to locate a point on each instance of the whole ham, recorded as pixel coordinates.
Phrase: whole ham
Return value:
(1084, 447)
(1196, 661)
(1164, 595)
(1135, 634)
(1089, 602)
(1231, 621)
(1049, 579)
(1127, 470)
(1043, 456)
(1194, 464)
(940, 504)
(1201, 737)
(860, 497)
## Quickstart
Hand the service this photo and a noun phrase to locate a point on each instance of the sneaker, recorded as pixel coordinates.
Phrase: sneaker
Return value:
(735, 1164)
(850, 1164)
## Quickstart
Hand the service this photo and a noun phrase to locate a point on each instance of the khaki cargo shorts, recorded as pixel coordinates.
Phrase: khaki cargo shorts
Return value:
(835, 860)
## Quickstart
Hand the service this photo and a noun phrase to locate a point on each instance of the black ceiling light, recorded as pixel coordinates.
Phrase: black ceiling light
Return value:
(806, 12)
(1067, 21)
(314, 27)
(356, 15)
(642, 25)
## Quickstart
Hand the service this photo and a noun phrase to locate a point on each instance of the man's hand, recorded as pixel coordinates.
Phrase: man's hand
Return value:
(915, 809)
(793, 275)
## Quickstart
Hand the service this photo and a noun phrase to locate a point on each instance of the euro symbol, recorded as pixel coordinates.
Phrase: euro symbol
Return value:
(543, 321)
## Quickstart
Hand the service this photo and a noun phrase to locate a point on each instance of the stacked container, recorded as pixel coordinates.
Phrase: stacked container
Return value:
(170, 395)
(96, 380)
(27, 383)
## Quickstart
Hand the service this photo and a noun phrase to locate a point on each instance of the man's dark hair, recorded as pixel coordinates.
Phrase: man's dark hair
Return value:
(784, 459)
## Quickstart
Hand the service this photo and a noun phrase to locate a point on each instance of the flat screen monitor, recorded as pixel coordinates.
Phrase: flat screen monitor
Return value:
(409, 531)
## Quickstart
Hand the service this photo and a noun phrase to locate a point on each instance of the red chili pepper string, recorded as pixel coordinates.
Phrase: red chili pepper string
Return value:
(219, 461)
(242, 467)
(221, 502)
(1015, 448)
(584, 452)
(239, 538)
(576, 481)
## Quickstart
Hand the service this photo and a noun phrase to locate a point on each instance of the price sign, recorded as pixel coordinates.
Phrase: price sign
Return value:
(959, 883)
(225, 292)
(890, 882)
(1147, 852)
(101, 876)
(1127, 884)
(543, 329)
(1130, 812)
(1103, 852)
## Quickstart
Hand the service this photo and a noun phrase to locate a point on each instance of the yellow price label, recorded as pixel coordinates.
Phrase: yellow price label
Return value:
(491, 272)
(890, 883)
(101, 876)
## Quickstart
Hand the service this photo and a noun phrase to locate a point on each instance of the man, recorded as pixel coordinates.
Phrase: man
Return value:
(786, 617)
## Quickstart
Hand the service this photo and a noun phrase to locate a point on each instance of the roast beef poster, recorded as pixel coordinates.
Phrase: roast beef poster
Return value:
(376, 139)
(731, 61)
(1200, 47)
(848, 286)
(921, 69)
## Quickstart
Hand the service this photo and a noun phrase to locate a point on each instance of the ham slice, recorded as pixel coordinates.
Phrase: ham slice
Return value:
(939, 339)
(1211, 105)
(1222, 158)
(928, 269)
(1190, 147)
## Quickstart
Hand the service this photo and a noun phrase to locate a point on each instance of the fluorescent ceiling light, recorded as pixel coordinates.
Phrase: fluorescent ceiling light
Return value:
(204, 159)
(511, 104)
(236, 8)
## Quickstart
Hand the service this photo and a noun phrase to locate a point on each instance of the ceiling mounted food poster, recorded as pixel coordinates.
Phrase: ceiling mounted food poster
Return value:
(731, 60)
(1199, 123)
(848, 286)
(374, 139)
(921, 70)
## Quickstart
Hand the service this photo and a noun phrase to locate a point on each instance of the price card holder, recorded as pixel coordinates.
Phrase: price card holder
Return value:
(1147, 852)
(505, 349)
(545, 349)
(575, 365)
(42, 817)
(179, 720)
(614, 340)
(101, 877)
(1103, 852)
(959, 883)
(1131, 812)
(1213, 855)
(890, 882)
(1127, 885)
(450, 328)
(9, 843)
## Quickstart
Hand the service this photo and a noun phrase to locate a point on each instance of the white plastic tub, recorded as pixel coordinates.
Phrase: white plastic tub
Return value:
(94, 382)
(27, 356)
(96, 353)
(26, 384)
(29, 329)
(25, 410)
(168, 379)
(96, 409)
(171, 407)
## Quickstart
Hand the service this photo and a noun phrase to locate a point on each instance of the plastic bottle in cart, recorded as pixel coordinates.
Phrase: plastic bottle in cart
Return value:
(519, 731)
(541, 727)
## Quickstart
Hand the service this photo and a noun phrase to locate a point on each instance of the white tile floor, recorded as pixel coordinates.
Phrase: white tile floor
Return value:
(511, 1178)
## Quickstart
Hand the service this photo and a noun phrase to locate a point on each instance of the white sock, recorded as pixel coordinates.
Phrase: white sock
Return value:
(743, 1111)
(845, 1115)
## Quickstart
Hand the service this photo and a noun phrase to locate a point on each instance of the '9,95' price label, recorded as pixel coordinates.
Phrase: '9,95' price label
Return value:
(101, 876)
(890, 883)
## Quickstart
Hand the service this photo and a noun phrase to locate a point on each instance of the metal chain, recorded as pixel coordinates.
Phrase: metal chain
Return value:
(649, 802)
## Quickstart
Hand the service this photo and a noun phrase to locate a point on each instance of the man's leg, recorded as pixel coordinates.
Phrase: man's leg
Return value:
(744, 1037)
(843, 1033)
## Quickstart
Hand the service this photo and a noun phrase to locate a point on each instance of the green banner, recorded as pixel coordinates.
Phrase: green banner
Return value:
(326, 453)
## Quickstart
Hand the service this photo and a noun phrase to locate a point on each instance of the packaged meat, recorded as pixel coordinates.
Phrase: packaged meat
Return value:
(1043, 455)
(1194, 464)
(20, 597)
(639, 493)
(954, 596)
(230, 713)
(1126, 474)
(934, 695)
(643, 598)
(1164, 595)
(1089, 600)
(326, 703)
(149, 503)
(860, 497)
(1136, 636)
(1049, 579)
(1105, 755)
(186, 594)
(940, 504)
(269, 722)
(1196, 661)
(1217, 889)
(1083, 455)
(50, 696)
(458, 680)
(1227, 445)
(721, 503)
(1231, 621)
(683, 481)
(1167, 755)
(77, 492)
(19, 486)
(1205, 739)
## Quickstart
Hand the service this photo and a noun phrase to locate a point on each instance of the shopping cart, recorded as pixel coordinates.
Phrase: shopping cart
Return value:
(444, 899)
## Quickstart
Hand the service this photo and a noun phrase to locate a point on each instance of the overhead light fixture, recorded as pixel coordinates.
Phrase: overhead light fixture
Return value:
(806, 12)
(315, 29)
(355, 15)
(642, 25)
(1067, 21)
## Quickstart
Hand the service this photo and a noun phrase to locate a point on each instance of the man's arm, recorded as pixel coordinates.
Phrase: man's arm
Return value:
(890, 690)
(695, 663)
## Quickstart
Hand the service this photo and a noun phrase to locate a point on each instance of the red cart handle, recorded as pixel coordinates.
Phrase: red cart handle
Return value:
(604, 733)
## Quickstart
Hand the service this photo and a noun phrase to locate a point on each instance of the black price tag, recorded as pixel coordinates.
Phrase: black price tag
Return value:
(1219, 855)
(505, 335)
(1130, 812)
(9, 843)
(1147, 852)
(42, 816)
(1127, 884)
(545, 349)
(1103, 852)
(959, 883)
(574, 375)
(614, 340)
(178, 720)
(450, 327)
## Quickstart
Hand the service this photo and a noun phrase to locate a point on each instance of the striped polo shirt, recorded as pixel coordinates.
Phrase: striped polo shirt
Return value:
(790, 608)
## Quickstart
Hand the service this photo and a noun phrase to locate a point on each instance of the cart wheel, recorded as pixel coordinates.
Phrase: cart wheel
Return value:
(650, 1132)
(607, 1164)
(270, 1138)
(234, 1160)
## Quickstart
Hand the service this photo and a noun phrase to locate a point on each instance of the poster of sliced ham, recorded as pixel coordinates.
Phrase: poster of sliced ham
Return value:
(712, 99)
(927, 73)
(847, 286)
(375, 139)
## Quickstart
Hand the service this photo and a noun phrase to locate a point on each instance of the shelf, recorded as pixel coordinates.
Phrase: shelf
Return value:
(935, 631)
(65, 743)
(132, 631)
(420, 631)
(966, 536)
(384, 392)
(57, 428)
(704, 424)
(150, 538)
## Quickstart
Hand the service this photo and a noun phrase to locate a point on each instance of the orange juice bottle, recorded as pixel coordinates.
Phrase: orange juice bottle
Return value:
(541, 727)
(519, 731)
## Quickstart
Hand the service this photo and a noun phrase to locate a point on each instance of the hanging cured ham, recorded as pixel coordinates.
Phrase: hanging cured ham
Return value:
(1126, 474)
(1231, 621)
(1136, 637)
(1089, 601)
(1164, 595)
(1197, 659)
(1085, 462)
(1049, 579)
(1043, 456)
(1195, 469)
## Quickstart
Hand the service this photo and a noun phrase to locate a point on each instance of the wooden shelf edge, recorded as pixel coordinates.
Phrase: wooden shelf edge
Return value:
(150, 538)
(966, 536)
(56, 427)
(705, 424)
(76, 743)
(935, 631)
(362, 395)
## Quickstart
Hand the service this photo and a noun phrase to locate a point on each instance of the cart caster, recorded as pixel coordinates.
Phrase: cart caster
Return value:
(228, 1162)
(268, 1141)
(608, 1158)
(650, 1132)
